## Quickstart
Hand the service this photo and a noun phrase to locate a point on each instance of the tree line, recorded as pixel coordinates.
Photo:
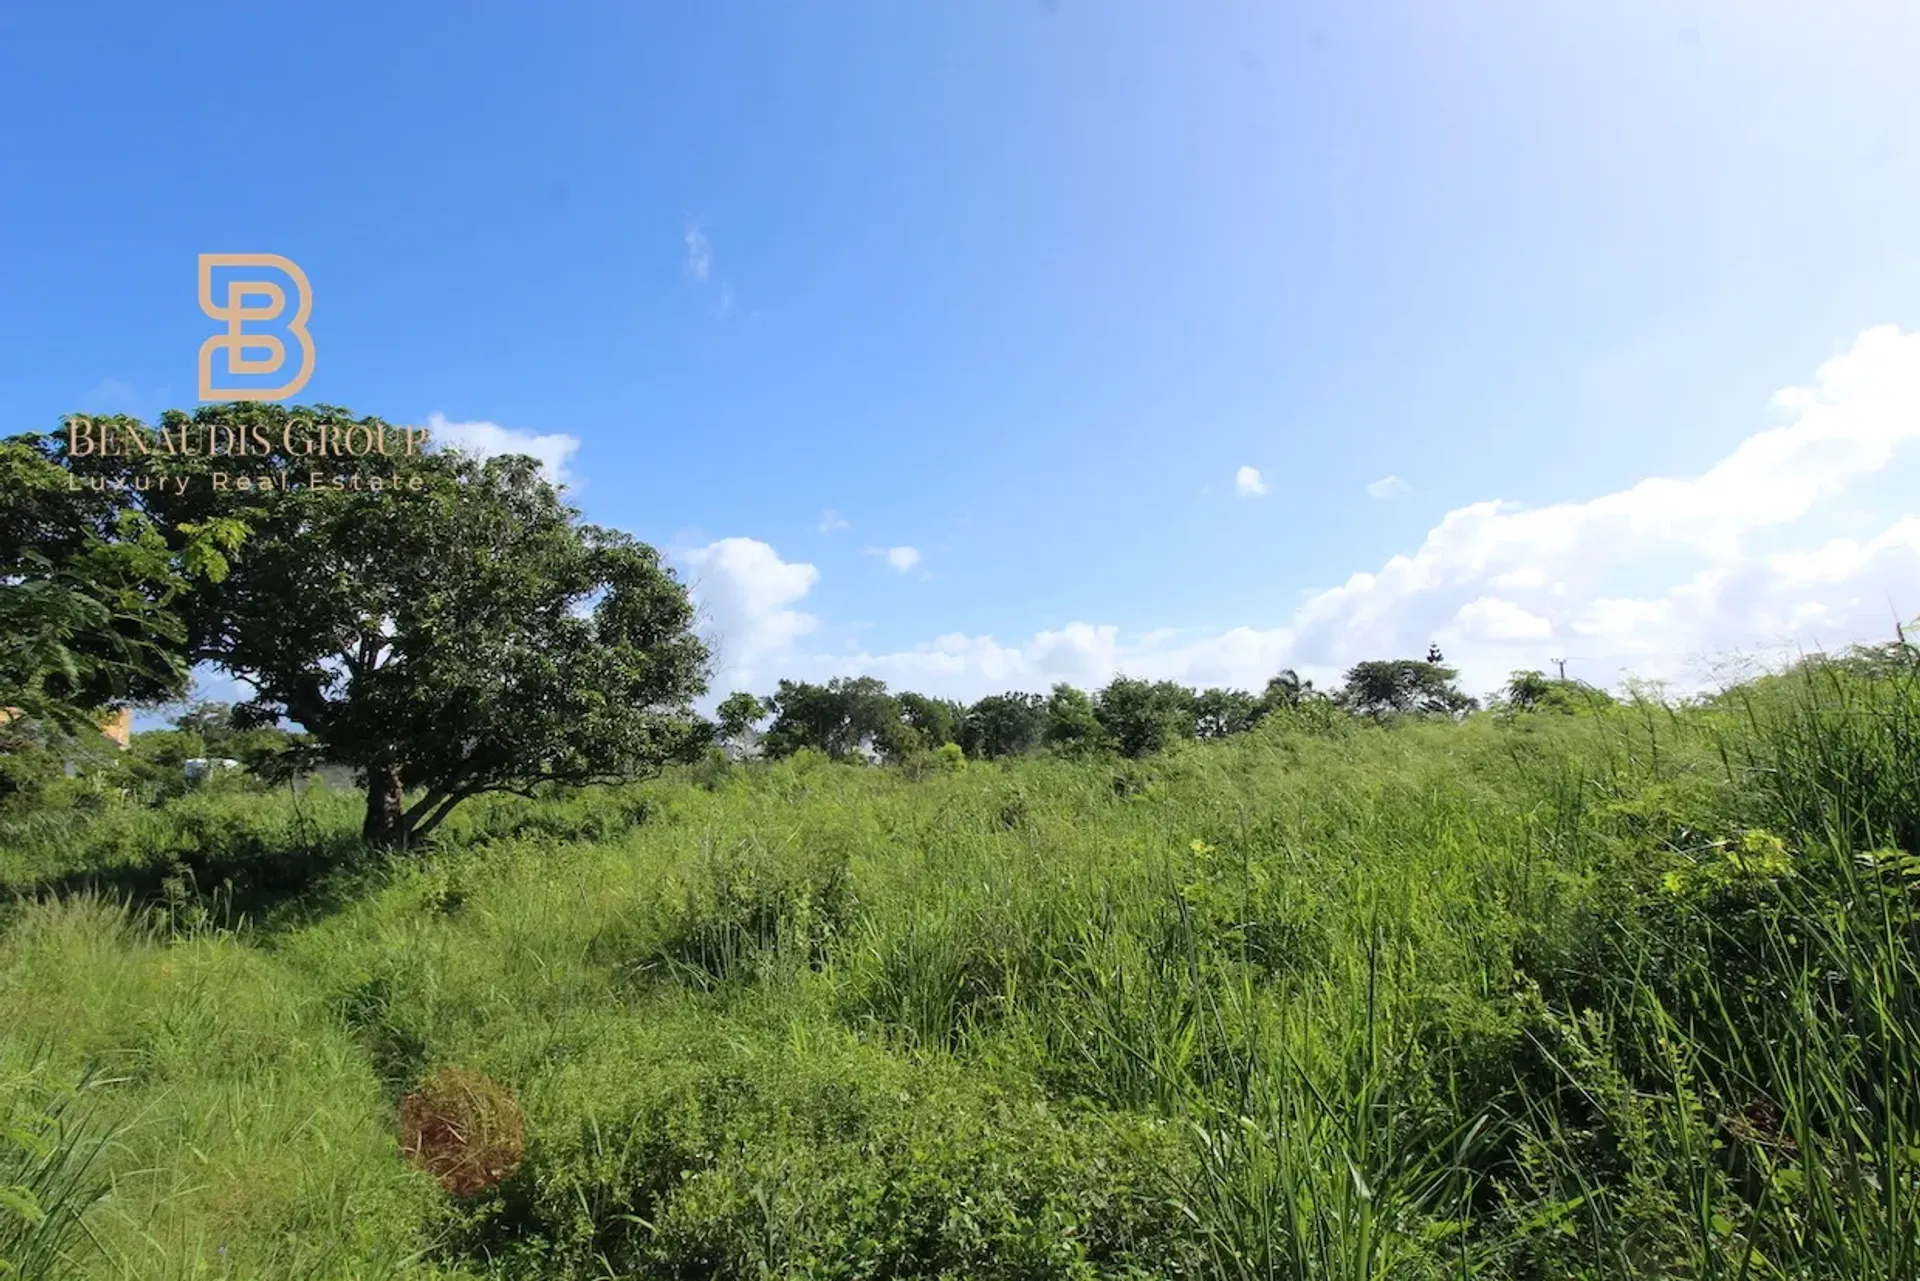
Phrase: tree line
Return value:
(858, 717)
(465, 631)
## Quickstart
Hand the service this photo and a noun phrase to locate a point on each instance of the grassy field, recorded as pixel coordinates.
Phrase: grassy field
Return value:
(1619, 995)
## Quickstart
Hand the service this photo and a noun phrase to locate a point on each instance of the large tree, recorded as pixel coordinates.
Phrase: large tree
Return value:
(1536, 691)
(1072, 728)
(931, 721)
(1404, 686)
(461, 631)
(1003, 725)
(1220, 712)
(737, 714)
(1141, 718)
(849, 715)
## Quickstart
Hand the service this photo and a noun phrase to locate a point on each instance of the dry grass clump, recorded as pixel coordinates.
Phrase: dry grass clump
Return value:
(465, 1130)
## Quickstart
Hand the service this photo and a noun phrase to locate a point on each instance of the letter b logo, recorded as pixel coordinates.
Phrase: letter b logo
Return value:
(254, 298)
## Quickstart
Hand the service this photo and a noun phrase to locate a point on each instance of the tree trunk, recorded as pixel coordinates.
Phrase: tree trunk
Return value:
(386, 823)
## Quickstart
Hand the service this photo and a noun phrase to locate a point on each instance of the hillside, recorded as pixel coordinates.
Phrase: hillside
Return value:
(1623, 993)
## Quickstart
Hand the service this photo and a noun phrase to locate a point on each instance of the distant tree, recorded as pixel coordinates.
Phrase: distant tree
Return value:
(209, 723)
(469, 635)
(165, 749)
(1527, 689)
(1286, 690)
(843, 718)
(934, 721)
(1140, 718)
(1403, 686)
(1071, 726)
(872, 716)
(1220, 712)
(738, 713)
(805, 715)
(1003, 725)
(1536, 691)
(211, 728)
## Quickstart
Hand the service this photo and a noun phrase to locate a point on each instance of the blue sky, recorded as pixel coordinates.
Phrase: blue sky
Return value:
(1024, 286)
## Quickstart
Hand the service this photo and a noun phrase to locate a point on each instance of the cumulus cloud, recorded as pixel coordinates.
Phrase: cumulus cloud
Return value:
(1715, 561)
(1088, 655)
(488, 440)
(745, 593)
(1662, 580)
(1247, 483)
(699, 254)
(831, 523)
(1388, 487)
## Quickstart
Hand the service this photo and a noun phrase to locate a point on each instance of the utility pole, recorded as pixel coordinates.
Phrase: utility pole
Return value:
(1561, 663)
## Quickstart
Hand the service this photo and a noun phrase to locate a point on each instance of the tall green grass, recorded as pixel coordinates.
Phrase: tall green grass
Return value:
(1623, 994)
(51, 1172)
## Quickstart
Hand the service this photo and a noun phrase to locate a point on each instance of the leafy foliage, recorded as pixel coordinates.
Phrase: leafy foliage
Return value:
(1220, 712)
(1004, 725)
(1072, 727)
(1404, 687)
(842, 718)
(466, 636)
(1139, 718)
(739, 712)
(1531, 691)
(934, 722)
(88, 592)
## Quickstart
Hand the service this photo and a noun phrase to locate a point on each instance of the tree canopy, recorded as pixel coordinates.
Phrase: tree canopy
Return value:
(844, 717)
(1139, 717)
(1003, 725)
(1536, 691)
(448, 626)
(468, 635)
(738, 713)
(1404, 686)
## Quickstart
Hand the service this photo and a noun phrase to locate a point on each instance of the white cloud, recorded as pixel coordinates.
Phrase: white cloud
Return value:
(1660, 580)
(1085, 654)
(1496, 621)
(745, 593)
(1247, 483)
(1388, 487)
(699, 265)
(488, 440)
(831, 522)
(901, 559)
(699, 254)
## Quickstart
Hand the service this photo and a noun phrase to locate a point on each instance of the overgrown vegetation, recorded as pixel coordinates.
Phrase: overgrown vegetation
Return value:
(1570, 987)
